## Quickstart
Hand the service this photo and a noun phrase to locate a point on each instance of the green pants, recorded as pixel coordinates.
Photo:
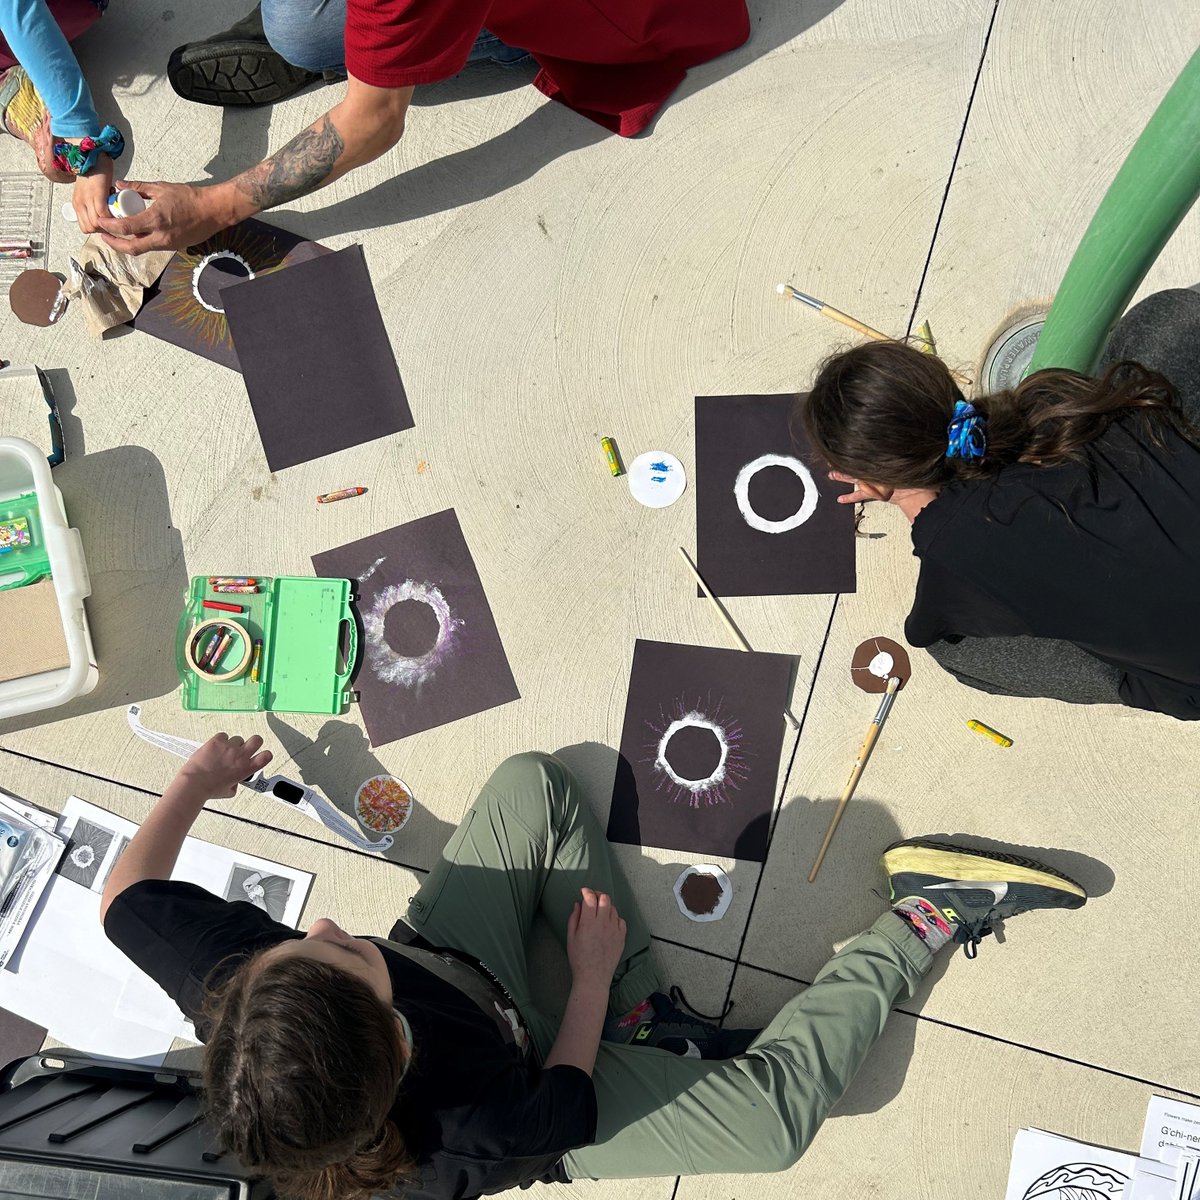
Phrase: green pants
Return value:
(527, 845)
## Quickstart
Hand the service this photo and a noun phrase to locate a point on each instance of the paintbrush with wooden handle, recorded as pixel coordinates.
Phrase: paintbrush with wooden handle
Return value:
(885, 706)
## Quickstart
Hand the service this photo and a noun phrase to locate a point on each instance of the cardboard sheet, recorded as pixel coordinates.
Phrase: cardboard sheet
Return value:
(185, 307)
(316, 359)
(767, 519)
(19, 1038)
(700, 749)
(33, 638)
(431, 650)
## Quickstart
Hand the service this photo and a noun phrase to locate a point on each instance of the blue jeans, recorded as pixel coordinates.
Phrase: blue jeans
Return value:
(310, 34)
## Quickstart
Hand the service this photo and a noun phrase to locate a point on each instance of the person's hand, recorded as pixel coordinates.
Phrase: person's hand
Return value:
(42, 142)
(90, 197)
(595, 939)
(218, 766)
(181, 215)
(862, 491)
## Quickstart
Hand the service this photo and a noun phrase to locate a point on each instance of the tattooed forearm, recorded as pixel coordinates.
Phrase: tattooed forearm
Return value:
(299, 168)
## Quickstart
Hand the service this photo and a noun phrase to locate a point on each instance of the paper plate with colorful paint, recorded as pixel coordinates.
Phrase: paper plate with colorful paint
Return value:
(657, 479)
(383, 804)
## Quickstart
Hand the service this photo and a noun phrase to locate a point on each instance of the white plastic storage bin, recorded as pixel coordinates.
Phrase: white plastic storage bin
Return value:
(23, 468)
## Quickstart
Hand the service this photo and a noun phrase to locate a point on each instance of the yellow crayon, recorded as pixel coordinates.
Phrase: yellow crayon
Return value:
(988, 732)
(610, 452)
(257, 660)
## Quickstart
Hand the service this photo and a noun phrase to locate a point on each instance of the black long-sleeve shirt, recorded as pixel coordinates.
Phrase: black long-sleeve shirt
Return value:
(477, 1113)
(1103, 552)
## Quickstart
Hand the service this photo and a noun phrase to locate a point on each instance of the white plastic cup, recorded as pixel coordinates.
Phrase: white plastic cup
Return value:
(126, 203)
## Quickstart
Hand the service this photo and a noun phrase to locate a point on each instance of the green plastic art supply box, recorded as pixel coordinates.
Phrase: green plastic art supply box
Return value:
(309, 646)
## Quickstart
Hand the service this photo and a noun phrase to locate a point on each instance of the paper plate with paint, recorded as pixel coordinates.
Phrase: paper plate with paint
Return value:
(703, 892)
(657, 479)
(877, 660)
(383, 804)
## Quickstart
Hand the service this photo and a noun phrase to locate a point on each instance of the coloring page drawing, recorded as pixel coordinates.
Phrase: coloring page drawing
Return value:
(85, 853)
(767, 519)
(1048, 1167)
(700, 749)
(260, 888)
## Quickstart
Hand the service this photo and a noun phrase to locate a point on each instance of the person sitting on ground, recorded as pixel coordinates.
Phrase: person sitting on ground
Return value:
(1055, 523)
(45, 100)
(344, 1066)
(610, 60)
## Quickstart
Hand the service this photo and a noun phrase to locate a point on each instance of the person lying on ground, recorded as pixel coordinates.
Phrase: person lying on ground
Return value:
(1055, 523)
(45, 100)
(610, 60)
(347, 1066)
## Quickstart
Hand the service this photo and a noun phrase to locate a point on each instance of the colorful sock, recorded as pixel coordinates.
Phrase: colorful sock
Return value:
(619, 1029)
(925, 921)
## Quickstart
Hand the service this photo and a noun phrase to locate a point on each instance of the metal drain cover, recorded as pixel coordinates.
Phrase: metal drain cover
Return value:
(1011, 353)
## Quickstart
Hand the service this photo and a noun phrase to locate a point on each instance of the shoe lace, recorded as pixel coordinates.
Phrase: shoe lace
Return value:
(681, 1002)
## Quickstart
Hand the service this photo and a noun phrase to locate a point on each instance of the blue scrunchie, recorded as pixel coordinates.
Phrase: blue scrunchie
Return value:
(79, 160)
(967, 433)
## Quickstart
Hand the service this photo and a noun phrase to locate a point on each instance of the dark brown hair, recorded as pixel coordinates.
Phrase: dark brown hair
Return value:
(300, 1073)
(880, 413)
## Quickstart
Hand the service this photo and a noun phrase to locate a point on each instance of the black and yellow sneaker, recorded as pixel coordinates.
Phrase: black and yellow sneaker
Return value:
(670, 1023)
(974, 889)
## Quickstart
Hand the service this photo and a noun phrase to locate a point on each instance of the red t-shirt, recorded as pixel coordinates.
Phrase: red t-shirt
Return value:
(615, 61)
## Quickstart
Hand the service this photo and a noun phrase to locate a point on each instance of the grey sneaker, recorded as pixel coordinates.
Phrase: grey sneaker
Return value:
(236, 67)
(975, 889)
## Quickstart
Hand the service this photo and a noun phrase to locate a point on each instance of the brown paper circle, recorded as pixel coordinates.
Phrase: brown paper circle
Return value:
(860, 664)
(32, 295)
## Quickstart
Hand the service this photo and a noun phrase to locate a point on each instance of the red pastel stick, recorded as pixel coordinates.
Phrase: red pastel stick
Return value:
(223, 607)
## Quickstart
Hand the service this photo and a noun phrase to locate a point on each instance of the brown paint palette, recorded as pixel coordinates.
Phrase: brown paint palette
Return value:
(32, 296)
(877, 660)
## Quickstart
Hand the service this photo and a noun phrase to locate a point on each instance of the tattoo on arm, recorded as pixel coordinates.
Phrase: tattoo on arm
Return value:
(299, 168)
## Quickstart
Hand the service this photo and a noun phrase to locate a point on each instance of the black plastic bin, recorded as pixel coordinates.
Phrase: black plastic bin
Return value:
(78, 1128)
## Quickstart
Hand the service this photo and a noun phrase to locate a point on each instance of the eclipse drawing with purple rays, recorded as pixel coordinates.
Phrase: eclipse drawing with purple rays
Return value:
(700, 749)
(698, 754)
(431, 650)
(404, 666)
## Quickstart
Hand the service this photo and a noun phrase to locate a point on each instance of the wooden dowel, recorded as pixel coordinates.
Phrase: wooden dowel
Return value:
(864, 753)
(727, 621)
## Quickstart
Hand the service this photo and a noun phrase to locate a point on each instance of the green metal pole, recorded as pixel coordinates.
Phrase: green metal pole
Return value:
(1144, 204)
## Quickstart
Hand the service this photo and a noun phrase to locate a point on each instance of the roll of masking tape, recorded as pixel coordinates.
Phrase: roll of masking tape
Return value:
(198, 641)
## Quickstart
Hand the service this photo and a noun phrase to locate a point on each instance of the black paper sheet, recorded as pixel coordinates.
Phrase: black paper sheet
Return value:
(431, 650)
(316, 358)
(767, 519)
(185, 306)
(700, 749)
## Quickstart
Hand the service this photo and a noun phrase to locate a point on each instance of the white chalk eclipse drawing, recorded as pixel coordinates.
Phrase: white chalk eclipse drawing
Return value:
(207, 261)
(741, 493)
(395, 668)
(693, 720)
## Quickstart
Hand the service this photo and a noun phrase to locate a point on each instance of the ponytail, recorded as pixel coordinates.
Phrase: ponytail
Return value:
(880, 412)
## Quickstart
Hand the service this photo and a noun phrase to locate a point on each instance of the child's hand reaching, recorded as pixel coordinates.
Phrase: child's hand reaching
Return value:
(218, 766)
(90, 197)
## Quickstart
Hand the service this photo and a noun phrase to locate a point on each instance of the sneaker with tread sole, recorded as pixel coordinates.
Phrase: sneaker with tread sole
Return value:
(975, 889)
(236, 67)
(676, 1027)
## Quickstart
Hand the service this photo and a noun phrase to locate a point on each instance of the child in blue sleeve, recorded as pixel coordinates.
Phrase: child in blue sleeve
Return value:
(46, 101)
